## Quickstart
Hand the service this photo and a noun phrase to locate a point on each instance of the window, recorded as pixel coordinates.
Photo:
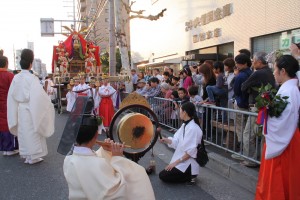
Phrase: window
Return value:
(267, 43)
(226, 49)
(106, 20)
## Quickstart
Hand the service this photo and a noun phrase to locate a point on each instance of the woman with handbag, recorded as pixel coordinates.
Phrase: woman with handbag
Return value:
(183, 166)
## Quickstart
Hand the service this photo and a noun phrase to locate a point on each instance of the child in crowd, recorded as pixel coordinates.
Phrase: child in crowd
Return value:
(181, 79)
(175, 83)
(174, 113)
(196, 99)
(166, 76)
(183, 97)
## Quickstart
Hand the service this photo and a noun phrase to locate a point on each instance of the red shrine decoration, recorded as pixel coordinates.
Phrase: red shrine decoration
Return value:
(75, 47)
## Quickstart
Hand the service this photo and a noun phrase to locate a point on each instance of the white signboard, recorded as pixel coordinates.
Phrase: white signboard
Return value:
(47, 27)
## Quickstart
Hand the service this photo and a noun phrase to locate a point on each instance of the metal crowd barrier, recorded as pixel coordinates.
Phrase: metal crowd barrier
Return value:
(232, 130)
(166, 111)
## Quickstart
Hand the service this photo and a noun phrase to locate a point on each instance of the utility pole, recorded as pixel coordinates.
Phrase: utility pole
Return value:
(74, 17)
(112, 39)
(122, 21)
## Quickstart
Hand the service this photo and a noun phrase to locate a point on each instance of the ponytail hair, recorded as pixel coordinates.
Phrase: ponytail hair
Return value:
(190, 109)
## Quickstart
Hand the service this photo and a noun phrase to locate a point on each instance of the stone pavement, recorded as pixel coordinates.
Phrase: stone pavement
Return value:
(45, 180)
(210, 181)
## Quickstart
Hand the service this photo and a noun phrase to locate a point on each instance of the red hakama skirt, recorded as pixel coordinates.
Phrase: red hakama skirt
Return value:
(81, 94)
(279, 177)
(106, 110)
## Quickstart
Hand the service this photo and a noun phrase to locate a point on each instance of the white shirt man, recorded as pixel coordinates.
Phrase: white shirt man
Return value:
(157, 75)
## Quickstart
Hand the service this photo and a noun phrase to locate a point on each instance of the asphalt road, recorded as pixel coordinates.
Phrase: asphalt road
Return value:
(45, 180)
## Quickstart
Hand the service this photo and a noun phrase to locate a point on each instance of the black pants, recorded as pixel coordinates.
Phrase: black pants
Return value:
(175, 175)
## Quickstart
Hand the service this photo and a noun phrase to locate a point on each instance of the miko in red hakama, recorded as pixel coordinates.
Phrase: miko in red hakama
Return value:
(106, 106)
(279, 175)
(106, 110)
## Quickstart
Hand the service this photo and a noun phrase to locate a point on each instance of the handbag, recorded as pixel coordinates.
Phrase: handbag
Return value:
(202, 157)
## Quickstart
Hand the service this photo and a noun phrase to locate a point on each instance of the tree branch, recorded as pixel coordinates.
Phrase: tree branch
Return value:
(129, 10)
(150, 17)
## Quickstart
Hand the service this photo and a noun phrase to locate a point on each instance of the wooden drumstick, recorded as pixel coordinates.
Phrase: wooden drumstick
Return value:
(101, 143)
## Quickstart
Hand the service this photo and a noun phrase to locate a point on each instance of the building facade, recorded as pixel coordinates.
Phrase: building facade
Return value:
(98, 10)
(215, 29)
(18, 59)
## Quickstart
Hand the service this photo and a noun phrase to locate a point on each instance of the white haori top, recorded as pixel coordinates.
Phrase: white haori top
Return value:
(108, 91)
(82, 87)
(281, 130)
(186, 143)
(30, 114)
(99, 176)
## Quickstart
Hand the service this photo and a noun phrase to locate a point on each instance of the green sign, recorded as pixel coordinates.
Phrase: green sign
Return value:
(285, 42)
(296, 38)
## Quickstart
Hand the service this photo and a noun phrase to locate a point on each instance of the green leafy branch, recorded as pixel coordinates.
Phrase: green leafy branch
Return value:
(267, 98)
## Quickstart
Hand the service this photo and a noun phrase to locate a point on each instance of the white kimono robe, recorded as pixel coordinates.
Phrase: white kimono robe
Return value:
(281, 130)
(99, 176)
(108, 90)
(50, 89)
(30, 114)
(96, 98)
(82, 87)
(71, 98)
(187, 144)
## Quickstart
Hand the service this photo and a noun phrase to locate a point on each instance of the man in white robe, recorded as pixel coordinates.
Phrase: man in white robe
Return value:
(82, 86)
(30, 112)
(71, 98)
(49, 88)
(104, 174)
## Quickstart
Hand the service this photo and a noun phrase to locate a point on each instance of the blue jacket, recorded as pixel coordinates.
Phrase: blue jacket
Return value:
(241, 97)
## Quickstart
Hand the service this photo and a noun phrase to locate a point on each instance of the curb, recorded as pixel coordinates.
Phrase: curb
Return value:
(229, 169)
(235, 172)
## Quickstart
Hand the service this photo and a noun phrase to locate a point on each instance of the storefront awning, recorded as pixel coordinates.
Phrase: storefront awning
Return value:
(202, 57)
(154, 64)
(162, 63)
(174, 60)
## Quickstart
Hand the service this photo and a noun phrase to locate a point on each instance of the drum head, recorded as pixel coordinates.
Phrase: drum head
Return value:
(136, 130)
(136, 126)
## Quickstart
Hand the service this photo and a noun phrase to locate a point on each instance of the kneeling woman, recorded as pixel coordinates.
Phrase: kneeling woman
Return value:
(183, 167)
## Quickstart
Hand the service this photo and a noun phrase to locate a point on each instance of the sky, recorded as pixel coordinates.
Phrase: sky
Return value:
(20, 23)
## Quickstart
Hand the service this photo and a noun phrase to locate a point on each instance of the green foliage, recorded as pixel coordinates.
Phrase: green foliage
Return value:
(118, 60)
(99, 120)
(105, 61)
(267, 97)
